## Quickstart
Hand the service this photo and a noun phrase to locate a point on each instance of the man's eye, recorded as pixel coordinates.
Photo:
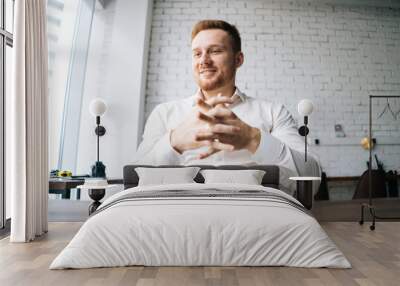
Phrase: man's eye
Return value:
(196, 55)
(216, 51)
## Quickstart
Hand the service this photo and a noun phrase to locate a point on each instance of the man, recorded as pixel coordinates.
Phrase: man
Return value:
(220, 124)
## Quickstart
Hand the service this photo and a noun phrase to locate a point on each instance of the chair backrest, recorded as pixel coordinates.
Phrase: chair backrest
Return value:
(378, 185)
(270, 179)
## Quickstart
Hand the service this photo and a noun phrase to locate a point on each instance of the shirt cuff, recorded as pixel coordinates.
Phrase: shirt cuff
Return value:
(269, 149)
(164, 153)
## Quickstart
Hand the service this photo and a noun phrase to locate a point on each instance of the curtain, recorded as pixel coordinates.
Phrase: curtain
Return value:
(28, 123)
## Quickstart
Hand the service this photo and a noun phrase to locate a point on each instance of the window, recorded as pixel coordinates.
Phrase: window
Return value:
(6, 43)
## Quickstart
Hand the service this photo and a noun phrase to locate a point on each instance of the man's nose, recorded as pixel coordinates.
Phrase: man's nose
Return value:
(205, 58)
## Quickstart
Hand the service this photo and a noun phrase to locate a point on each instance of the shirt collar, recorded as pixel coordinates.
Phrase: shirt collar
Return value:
(239, 97)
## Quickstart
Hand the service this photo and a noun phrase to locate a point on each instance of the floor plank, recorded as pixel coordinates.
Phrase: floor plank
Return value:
(375, 257)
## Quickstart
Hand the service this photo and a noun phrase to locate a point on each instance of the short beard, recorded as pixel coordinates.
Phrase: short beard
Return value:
(208, 85)
(215, 83)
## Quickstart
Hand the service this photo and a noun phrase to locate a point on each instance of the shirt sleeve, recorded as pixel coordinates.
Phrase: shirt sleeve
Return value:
(283, 146)
(155, 148)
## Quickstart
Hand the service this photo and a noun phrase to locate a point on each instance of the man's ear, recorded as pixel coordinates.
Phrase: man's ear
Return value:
(239, 59)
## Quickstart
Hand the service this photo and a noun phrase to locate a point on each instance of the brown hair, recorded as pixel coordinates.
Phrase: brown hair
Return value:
(222, 25)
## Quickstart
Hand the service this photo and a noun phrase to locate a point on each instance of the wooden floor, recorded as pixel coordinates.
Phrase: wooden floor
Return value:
(375, 256)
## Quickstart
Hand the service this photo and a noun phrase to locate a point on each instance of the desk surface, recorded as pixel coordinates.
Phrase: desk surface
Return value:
(69, 183)
(348, 178)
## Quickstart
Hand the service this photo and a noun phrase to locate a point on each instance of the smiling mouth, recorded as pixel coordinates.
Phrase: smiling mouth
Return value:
(207, 71)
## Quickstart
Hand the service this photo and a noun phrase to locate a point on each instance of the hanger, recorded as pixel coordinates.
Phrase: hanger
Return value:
(387, 107)
(397, 113)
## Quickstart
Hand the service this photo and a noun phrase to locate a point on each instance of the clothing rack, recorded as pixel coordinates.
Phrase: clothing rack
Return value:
(369, 206)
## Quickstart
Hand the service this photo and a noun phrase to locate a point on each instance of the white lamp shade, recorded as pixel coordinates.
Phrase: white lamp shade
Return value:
(97, 107)
(305, 107)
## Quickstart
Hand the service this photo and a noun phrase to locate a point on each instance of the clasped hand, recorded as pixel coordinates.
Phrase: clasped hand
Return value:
(214, 125)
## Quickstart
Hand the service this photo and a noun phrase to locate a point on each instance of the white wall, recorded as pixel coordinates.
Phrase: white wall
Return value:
(116, 72)
(333, 52)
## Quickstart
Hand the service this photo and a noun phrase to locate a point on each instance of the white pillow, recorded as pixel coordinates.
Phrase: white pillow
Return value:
(249, 177)
(165, 176)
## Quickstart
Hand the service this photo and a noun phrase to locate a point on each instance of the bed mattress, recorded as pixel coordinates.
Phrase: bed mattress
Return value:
(201, 225)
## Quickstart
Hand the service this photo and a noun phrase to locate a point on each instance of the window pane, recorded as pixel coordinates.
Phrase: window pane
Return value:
(8, 81)
(60, 31)
(61, 22)
(10, 15)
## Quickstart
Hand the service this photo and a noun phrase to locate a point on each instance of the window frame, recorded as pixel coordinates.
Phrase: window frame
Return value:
(6, 39)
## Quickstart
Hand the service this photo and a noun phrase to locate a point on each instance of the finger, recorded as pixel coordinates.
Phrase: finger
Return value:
(202, 105)
(213, 141)
(227, 139)
(209, 152)
(203, 117)
(206, 136)
(221, 112)
(219, 95)
(219, 131)
(220, 100)
(222, 146)
(225, 129)
(214, 149)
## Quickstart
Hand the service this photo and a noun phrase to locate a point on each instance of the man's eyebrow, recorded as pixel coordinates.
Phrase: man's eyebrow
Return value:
(210, 47)
(216, 46)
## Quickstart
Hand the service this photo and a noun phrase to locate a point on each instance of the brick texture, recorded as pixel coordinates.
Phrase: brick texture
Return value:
(333, 54)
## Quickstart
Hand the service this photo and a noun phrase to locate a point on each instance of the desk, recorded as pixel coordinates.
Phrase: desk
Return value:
(347, 178)
(63, 186)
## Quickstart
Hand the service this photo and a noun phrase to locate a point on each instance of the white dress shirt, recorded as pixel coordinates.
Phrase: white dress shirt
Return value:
(280, 142)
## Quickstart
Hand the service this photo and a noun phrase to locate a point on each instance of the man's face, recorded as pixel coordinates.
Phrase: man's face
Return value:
(213, 60)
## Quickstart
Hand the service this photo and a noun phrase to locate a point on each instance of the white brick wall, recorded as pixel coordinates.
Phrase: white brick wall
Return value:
(333, 54)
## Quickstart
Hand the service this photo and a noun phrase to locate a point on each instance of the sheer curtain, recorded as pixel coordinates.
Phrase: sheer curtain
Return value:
(28, 123)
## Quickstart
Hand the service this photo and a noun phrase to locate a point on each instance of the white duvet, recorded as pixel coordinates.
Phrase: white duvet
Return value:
(200, 231)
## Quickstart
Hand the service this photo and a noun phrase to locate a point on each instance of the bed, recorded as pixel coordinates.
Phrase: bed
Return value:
(198, 224)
